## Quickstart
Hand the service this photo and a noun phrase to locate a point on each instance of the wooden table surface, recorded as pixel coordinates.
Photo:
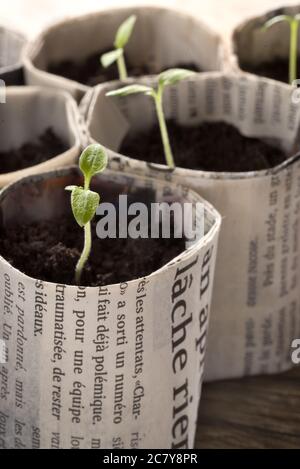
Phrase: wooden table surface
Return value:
(257, 412)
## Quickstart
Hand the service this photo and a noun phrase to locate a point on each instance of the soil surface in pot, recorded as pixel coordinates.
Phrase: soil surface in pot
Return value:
(209, 146)
(50, 250)
(47, 146)
(90, 72)
(278, 69)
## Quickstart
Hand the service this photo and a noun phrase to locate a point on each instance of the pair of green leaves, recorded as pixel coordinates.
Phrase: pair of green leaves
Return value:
(84, 202)
(169, 77)
(122, 37)
(93, 159)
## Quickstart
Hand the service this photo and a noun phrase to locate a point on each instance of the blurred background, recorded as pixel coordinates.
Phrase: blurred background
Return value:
(32, 15)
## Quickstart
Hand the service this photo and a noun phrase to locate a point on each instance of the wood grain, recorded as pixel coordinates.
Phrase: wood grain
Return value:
(259, 412)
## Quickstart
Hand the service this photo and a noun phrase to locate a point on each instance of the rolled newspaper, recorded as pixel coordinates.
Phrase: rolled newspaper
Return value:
(251, 44)
(118, 366)
(28, 112)
(255, 310)
(11, 47)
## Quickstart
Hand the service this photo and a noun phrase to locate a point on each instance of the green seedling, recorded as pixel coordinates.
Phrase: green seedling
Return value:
(117, 55)
(293, 22)
(84, 202)
(169, 77)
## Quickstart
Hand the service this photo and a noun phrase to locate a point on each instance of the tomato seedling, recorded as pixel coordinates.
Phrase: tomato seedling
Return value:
(169, 77)
(84, 202)
(293, 22)
(117, 55)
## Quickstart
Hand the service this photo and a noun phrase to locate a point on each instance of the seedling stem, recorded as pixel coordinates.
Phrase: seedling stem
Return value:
(84, 202)
(169, 77)
(293, 22)
(117, 55)
(85, 253)
(122, 67)
(294, 25)
(158, 98)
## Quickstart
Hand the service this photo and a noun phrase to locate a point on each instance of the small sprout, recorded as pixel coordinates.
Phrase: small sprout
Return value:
(294, 25)
(169, 77)
(84, 202)
(122, 37)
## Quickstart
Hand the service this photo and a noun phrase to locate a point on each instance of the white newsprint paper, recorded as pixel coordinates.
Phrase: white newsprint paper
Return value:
(28, 112)
(11, 46)
(2, 352)
(255, 310)
(119, 366)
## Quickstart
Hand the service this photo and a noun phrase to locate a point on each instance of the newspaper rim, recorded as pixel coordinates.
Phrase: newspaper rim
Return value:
(210, 212)
(87, 108)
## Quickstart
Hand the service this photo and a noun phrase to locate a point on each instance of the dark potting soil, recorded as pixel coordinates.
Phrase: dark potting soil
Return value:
(90, 71)
(29, 154)
(210, 147)
(49, 251)
(278, 69)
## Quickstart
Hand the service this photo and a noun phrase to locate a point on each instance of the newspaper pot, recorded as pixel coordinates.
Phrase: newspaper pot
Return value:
(256, 297)
(27, 113)
(252, 46)
(11, 47)
(107, 366)
(151, 44)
